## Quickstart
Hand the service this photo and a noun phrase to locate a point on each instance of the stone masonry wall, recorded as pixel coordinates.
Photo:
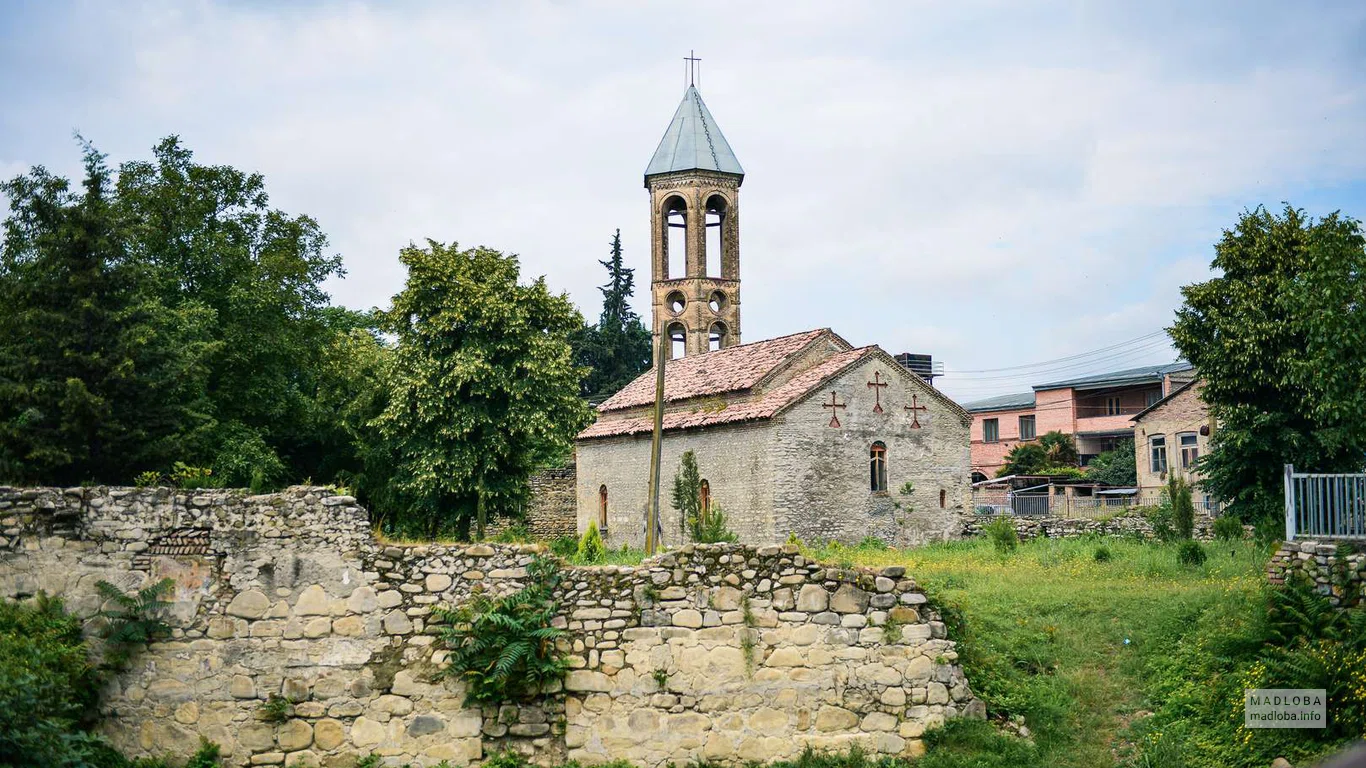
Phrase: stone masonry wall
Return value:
(725, 652)
(1339, 574)
(1133, 524)
(551, 508)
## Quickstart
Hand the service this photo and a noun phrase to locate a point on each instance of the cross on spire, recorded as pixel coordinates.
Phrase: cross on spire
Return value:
(913, 408)
(876, 385)
(833, 405)
(692, 60)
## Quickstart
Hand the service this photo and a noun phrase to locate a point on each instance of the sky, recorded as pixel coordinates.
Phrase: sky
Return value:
(997, 184)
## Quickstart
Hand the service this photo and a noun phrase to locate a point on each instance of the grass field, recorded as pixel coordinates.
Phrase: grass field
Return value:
(1077, 648)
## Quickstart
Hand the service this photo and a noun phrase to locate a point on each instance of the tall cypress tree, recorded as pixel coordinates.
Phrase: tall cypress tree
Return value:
(617, 349)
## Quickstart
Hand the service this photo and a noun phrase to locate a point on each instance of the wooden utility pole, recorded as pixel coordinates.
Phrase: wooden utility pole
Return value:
(652, 511)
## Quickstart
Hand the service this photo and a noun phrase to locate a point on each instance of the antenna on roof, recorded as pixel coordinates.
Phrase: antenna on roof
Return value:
(692, 60)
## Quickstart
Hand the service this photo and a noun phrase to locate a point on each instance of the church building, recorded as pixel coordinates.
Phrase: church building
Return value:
(802, 434)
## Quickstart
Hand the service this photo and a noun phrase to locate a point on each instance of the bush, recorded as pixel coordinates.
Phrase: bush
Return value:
(47, 685)
(504, 649)
(1228, 528)
(711, 528)
(1161, 520)
(564, 546)
(1002, 533)
(245, 461)
(1190, 553)
(193, 478)
(1102, 554)
(591, 549)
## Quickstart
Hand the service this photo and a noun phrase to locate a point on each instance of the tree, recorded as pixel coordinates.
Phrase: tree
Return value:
(1115, 467)
(98, 377)
(1059, 448)
(482, 390)
(686, 496)
(1025, 459)
(617, 349)
(1277, 339)
(1183, 508)
(213, 241)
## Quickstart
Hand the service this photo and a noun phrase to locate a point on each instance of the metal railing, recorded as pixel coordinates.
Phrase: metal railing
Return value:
(1324, 506)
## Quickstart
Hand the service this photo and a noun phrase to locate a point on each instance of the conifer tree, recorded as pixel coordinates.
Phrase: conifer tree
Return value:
(617, 349)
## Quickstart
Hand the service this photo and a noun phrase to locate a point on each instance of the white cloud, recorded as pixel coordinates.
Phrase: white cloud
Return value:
(988, 183)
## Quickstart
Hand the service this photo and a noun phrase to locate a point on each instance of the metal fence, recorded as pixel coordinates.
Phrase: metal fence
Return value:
(1324, 506)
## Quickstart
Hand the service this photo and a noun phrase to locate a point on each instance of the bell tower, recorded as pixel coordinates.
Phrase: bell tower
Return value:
(694, 184)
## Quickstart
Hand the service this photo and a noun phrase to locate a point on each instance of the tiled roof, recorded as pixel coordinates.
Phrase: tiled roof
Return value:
(1001, 403)
(765, 407)
(1142, 375)
(726, 370)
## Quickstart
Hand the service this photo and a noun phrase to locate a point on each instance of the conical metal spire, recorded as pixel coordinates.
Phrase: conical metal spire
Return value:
(693, 142)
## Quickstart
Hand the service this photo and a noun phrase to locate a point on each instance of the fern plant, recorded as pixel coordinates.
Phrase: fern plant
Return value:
(504, 649)
(131, 621)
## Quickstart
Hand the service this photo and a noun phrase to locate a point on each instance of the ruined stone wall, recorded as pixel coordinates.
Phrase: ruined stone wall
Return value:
(551, 506)
(726, 652)
(1132, 524)
(1337, 570)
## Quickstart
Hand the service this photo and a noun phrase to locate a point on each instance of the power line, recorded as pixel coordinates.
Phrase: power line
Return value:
(1043, 363)
(1112, 358)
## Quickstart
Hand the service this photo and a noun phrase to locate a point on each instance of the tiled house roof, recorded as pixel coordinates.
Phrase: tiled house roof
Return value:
(734, 369)
(767, 406)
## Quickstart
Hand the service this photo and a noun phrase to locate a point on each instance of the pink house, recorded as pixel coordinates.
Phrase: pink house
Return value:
(1095, 410)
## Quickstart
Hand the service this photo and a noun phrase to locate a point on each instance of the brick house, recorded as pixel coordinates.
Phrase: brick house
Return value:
(801, 434)
(1169, 436)
(1095, 410)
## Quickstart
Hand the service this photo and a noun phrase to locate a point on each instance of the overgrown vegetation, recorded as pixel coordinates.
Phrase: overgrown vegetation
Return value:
(1001, 532)
(1053, 453)
(702, 520)
(48, 694)
(129, 622)
(1134, 662)
(617, 349)
(1115, 467)
(590, 550)
(504, 648)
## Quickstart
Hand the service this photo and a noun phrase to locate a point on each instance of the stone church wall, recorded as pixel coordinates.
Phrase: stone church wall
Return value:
(822, 473)
(734, 460)
(725, 652)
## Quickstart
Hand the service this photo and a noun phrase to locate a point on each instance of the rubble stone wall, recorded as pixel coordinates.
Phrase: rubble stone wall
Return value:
(726, 652)
(1337, 570)
(1132, 524)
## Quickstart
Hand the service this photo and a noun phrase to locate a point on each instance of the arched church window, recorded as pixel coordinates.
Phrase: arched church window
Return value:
(676, 302)
(675, 238)
(877, 468)
(602, 508)
(678, 341)
(943, 498)
(717, 302)
(716, 337)
(715, 219)
(704, 499)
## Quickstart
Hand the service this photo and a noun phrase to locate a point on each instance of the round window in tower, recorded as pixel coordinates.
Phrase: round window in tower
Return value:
(676, 302)
(717, 302)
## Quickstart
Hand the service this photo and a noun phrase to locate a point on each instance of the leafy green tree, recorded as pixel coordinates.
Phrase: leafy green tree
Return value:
(99, 377)
(1024, 459)
(1277, 339)
(1115, 467)
(482, 389)
(1060, 449)
(213, 241)
(617, 349)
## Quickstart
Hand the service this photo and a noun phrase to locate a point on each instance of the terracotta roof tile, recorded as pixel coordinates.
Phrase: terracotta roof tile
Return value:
(765, 407)
(725, 370)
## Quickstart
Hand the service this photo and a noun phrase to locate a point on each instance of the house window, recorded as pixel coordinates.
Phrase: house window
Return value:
(1026, 427)
(602, 508)
(1152, 397)
(1190, 451)
(1157, 454)
(877, 468)
(991, 430)
(704, 499)
(1112, 406)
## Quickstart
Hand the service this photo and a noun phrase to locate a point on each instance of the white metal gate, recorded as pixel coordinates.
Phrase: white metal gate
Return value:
(1324, 506)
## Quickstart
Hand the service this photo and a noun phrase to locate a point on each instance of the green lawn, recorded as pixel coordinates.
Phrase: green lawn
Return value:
(1081, 649)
